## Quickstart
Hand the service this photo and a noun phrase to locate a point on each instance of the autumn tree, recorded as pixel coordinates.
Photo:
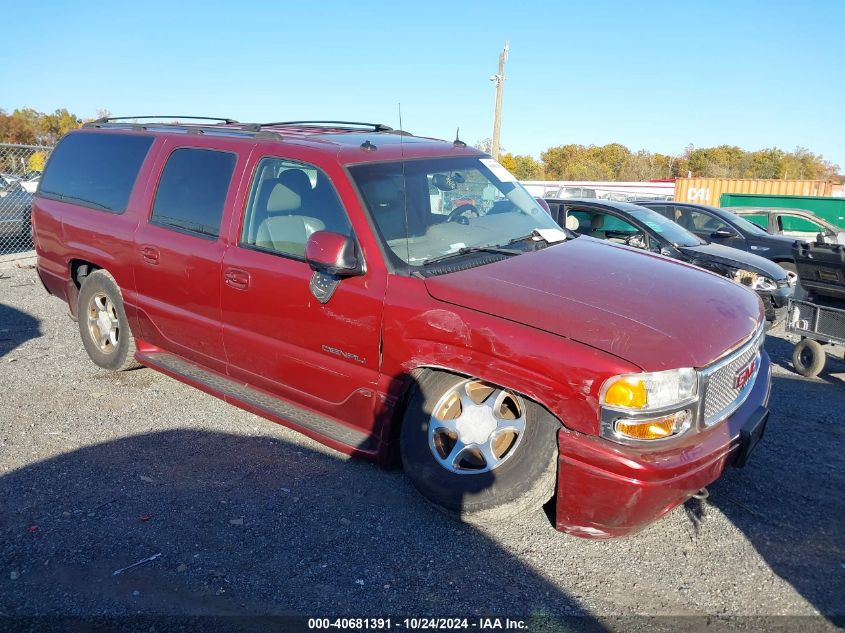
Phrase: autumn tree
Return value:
(27, 126)
(524, 167)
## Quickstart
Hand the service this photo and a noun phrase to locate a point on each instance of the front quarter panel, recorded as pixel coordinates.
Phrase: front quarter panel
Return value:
(562, 375)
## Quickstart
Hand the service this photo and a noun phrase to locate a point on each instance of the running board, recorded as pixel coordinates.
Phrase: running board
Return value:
(319, 427)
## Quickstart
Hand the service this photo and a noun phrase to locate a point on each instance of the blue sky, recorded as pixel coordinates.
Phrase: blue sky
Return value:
(652, 75)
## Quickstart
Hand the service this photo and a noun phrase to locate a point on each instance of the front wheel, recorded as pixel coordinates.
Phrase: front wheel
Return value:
(808, 358)
(476, 450)
(103, 324)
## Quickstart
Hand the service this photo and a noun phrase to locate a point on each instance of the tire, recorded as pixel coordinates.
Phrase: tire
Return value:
(522, 481)
(808, 358)
(100, 305)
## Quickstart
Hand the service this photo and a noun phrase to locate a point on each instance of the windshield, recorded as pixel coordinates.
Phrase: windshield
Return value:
(665, 228)
(425, 209)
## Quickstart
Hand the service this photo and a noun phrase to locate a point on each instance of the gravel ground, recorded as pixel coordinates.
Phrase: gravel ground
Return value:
(99, 471)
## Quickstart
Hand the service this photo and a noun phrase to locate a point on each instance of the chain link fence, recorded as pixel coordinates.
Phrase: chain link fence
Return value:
(20, 170)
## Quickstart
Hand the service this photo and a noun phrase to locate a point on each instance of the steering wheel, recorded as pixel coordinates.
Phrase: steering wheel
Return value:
(457, 214)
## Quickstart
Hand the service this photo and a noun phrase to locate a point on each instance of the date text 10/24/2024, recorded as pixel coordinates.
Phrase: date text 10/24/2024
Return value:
(436, 624)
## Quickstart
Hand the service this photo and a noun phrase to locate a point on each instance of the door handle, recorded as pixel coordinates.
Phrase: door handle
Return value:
(237, 278)
(150, 254)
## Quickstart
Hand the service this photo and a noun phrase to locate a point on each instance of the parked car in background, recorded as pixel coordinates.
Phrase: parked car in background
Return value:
(6, 178)
(15, 212)
(793, 223)
(641, 227)
(721, 226)
(294, 271)
(31, 184)
(571, 192)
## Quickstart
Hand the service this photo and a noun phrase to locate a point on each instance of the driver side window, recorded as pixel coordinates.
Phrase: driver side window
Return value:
(703, 223)
(288, 202)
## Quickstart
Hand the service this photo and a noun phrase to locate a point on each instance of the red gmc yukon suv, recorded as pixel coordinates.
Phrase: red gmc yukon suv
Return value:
(404, 298)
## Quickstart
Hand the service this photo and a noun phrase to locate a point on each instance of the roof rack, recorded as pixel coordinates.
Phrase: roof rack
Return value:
(229, 127)
(376, 127)
(109, 119)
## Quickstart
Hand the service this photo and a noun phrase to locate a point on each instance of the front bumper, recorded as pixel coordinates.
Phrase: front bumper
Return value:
(775, 303)
(605, 489)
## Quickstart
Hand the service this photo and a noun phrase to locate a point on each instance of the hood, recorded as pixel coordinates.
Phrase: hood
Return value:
(736, 258)
(649, 310)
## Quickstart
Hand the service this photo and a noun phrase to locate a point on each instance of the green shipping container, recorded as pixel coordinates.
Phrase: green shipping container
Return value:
(830, 209)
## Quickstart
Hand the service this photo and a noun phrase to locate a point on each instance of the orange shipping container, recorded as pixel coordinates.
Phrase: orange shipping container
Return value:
(710, 190)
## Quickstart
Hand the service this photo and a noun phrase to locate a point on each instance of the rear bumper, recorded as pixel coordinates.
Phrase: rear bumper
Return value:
(606, 489)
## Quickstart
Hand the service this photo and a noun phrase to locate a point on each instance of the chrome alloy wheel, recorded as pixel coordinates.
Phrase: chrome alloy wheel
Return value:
(475, 427)
(103, 323)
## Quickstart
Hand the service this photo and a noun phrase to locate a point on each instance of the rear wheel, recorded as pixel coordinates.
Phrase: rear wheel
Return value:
(478, 451)
(103, 324)
(808, 358)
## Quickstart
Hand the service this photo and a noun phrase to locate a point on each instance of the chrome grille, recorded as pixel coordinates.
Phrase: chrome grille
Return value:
(721, 397)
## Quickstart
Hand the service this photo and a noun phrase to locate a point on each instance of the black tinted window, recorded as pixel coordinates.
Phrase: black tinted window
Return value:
(192, 190)
(95, 170)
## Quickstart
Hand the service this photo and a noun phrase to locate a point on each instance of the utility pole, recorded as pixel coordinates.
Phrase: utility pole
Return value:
(499, 80)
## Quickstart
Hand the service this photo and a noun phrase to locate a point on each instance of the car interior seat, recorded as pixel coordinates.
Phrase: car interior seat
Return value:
(572, 223)
(387, 208)
(284, 229)
(684, 218)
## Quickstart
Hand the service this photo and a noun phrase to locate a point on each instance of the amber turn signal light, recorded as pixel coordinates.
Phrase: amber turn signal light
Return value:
(626, 393)
(655, 429)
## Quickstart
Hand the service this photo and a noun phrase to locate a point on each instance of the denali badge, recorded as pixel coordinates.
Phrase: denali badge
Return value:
(742, 377)
(342, 354)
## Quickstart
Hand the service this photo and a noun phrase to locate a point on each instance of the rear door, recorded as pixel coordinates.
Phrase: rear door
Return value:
(277, 335)
(178, 250)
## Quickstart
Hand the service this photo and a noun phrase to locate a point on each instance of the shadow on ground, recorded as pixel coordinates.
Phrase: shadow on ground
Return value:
(243, 526)
(16, 327)
(788, 500)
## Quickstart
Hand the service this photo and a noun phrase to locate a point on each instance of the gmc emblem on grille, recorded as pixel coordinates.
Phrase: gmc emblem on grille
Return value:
(742, 377)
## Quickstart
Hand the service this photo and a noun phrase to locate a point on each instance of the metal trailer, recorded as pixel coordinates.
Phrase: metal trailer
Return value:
(816, 324)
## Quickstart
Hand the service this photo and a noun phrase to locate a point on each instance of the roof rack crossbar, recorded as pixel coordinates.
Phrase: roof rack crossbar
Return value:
(108, 119)
(377, 127)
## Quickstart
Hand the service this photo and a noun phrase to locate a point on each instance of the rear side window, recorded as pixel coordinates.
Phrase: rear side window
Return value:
(95, 170)
(192, 191)
(798, 224)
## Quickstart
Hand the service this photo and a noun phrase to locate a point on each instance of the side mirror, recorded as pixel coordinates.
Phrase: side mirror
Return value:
(723, 234)
(333, 254)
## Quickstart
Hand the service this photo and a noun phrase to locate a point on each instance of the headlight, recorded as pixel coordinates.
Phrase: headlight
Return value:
(753, 280)
(650, 391)
(648, 406)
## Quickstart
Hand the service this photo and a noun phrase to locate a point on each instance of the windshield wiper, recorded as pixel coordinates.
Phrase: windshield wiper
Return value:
(466, 250)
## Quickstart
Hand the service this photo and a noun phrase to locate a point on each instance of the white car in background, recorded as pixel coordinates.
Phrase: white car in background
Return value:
(30, 181)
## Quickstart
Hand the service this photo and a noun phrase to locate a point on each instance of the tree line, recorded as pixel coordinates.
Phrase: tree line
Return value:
(608, 162)
(26, 126)
(615, 162)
